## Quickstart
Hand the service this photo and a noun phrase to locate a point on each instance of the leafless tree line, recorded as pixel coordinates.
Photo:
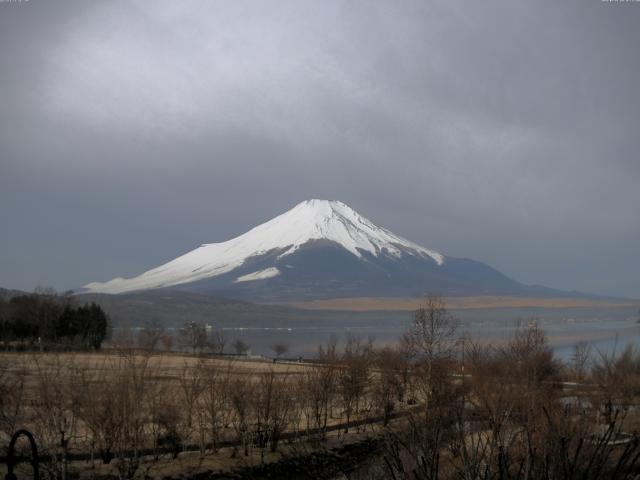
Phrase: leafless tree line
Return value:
(120, 408)
(440, 406)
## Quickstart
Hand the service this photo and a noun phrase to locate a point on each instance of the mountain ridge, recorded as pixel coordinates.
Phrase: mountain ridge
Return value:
(310, 220)
(320, 249)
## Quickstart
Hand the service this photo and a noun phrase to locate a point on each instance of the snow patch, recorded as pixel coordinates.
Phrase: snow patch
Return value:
(259, 275)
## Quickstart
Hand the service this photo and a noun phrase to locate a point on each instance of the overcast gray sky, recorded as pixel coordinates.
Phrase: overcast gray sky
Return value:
(508, 132)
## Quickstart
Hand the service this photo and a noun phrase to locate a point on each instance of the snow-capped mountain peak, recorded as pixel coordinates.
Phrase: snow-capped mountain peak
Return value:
(310, 220)
(329, 220)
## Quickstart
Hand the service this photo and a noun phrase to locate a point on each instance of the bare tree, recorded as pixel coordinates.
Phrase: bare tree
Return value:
(240, 346)
(54, 409)
(431, 343)
(217, 341)
(618, 376)
(280, 348)
(163, 406)
(531, 361)
(432, 333)
(580, 359)
(98, 411)
(193, 335)
(151, 334)
(191, 388)
(12, 395)
(167, 342)
(390, 383)
(130, 390)
(116, 421)
(123, 338)
(317, 389)
(215, 401)
(353, 377)
(271, 405)
(241, 392)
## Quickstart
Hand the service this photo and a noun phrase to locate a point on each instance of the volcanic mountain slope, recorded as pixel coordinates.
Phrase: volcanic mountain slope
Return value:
(319, 249)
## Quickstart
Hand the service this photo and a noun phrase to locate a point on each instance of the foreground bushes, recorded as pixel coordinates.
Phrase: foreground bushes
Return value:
(510, 416)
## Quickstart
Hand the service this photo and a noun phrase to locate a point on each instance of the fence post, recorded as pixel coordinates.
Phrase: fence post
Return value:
(11, 460)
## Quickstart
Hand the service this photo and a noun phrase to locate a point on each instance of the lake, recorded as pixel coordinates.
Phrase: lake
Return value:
(604, 329)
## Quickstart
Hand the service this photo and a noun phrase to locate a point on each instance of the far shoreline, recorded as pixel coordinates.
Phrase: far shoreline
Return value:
(364, 304)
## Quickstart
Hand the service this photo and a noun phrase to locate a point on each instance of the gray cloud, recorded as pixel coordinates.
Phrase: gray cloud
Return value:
(501, 131)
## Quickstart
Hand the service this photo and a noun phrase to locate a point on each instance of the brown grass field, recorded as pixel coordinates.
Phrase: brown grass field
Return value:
(54, 390)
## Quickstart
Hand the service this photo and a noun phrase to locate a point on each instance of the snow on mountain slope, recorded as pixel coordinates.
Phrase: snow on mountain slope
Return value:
(259, 275)
(307, 221)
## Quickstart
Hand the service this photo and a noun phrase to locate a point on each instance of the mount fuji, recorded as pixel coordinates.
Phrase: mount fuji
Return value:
(319, 249)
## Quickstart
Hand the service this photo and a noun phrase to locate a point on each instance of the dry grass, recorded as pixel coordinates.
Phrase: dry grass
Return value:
(58, 388)
(170, 364)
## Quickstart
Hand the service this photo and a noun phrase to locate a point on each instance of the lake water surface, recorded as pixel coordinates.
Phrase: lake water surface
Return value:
(606, 330)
